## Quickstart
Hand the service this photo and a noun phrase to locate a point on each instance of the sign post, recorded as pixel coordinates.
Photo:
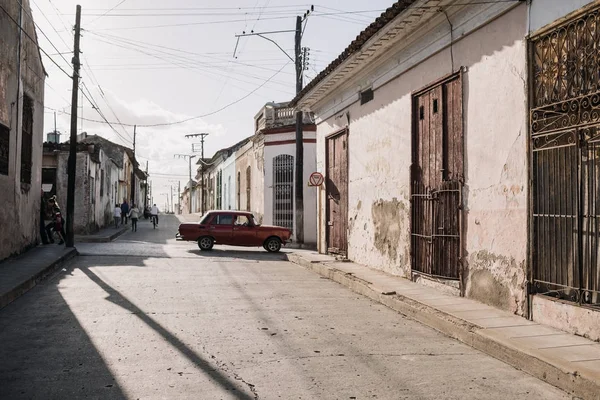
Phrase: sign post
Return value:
(316, 180)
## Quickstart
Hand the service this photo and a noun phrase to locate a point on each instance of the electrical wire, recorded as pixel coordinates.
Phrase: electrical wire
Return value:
(118, 4)
(184, 62)
(190, 118)
(147, 44)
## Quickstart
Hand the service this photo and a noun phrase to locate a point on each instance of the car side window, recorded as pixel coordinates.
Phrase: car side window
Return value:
(242, 220)
(223, 219)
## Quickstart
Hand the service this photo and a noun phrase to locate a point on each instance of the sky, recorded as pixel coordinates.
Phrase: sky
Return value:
(151, 62)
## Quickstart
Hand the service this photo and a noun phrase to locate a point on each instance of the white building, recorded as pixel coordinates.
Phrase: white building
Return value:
(275, 142)
(435, 170)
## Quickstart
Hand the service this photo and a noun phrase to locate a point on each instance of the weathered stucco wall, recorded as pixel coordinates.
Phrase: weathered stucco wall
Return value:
(495, 193)
(250, 155)
(83, 211)
(21, 202)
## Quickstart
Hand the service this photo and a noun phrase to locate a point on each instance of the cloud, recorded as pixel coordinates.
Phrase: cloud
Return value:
(156, 145)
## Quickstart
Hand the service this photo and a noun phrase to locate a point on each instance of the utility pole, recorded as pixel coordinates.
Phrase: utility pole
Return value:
(178, 196)
(300, 63)
(195, 150)
(299, 189)
(133, 169)
(188, 157)
(72, 163)
(146, 194)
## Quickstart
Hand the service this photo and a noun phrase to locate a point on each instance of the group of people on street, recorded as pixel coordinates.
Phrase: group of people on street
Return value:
(50, 211)
(123, 212)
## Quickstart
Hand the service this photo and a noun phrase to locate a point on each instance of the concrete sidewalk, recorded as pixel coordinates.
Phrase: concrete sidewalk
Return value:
(569, 362)
(20, 274)
(104, 235)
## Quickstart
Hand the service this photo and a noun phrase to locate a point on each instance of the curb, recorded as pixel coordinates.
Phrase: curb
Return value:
(102, 239)
(577, 383)
(31, 282)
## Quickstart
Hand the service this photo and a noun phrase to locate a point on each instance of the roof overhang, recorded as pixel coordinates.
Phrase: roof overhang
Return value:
(411, 15)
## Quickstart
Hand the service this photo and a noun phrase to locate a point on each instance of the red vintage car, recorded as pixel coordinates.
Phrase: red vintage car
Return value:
(235, 228)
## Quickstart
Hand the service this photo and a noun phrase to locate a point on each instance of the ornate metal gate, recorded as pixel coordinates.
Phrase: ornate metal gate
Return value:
(436, 180)
(565, 143)
(283, 191)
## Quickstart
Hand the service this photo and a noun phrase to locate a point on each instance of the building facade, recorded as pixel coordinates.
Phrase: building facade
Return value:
(102, 179)
(430, 127)
(275, 145)
(22, 77)
(97, 177)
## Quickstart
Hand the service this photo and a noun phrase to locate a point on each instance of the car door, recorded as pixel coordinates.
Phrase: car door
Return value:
(245, 232)
(221, 228)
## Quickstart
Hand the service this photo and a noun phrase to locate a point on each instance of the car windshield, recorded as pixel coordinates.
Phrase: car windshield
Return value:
(253, 220)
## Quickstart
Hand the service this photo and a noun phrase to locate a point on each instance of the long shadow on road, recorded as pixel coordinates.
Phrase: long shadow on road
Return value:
(218, 376)
(45, 353)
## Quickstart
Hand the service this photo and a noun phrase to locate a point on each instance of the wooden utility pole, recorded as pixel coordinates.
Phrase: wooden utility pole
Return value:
(299, 177)
(133, 162)
(72, 163)
(190, 182)
(195, 150)
(299, 62)
(146, 191)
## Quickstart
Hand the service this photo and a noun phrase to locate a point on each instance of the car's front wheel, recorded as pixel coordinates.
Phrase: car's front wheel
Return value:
(273, 245)
(206, 243)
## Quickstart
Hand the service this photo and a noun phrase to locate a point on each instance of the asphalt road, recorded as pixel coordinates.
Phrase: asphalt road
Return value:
(147, 317)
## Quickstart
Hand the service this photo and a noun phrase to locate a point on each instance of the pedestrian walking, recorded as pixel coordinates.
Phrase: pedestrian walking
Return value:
(124, 212)
(134, 214)
(117, 215)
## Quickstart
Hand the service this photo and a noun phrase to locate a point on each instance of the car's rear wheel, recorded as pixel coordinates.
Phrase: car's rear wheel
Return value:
(273, 245)
(206, 243)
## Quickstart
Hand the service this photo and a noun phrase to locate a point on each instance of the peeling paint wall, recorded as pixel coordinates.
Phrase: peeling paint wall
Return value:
(495, 192)
(250, 156)
(21, 201)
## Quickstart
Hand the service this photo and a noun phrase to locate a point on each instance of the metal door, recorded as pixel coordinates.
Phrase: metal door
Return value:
(283, 191)
(565, 155)
(436, 180)
(337, 194)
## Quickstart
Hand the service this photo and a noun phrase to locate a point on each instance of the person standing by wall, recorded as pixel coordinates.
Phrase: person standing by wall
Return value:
(57, 224)
(124, 212)
(117, 215)
(134, 214)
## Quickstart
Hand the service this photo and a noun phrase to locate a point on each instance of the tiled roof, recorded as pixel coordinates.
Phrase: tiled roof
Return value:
(385, 18)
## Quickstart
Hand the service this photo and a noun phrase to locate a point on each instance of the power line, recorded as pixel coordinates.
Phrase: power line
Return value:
(121, 2)
(191, 118)
(133, 42)
(205, 8)
(181, 61)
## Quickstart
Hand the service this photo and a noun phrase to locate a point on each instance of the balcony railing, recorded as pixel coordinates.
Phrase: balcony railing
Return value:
(275, 117)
